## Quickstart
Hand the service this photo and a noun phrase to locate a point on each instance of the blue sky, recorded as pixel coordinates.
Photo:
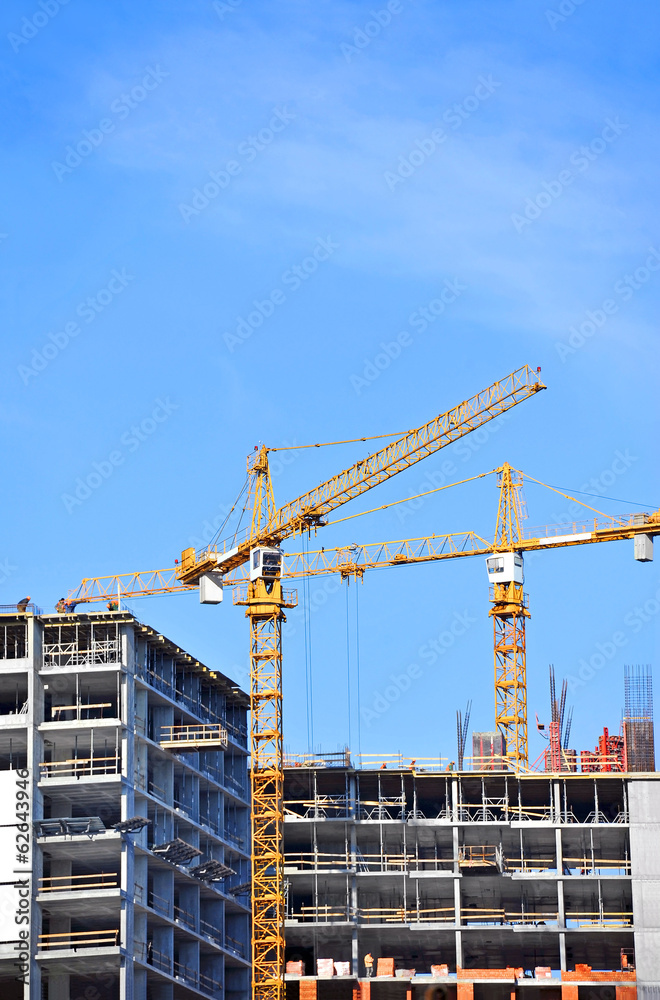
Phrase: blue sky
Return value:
(216, 213)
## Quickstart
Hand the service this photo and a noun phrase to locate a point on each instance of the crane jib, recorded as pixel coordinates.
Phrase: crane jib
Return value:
(309, 509)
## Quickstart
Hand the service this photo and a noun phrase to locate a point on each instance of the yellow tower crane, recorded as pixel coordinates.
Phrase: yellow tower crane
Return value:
(504, 556)
(265, 602)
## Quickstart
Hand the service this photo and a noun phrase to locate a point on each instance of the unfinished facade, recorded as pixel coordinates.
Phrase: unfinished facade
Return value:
(130, 894)
(451, 879)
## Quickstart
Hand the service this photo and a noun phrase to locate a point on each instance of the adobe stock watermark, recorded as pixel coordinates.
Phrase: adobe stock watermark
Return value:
(247, 150)
(601, 484)
(130, 440)
(106, 982)
(580, 161)
(623, 290)
(224, 7)
(565, 10)
(464, 449)
(87, 310)
(277, 464)
(430, 652)
(455, 117)
(419, 320)
(293, 278)
(32, 25)
(634, 621)
(318, 599)
(7, 570)
(120, 108)
(364, 36)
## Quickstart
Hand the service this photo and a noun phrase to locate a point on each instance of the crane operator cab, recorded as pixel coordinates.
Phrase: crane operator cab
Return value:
(505, 567)
(265, 564)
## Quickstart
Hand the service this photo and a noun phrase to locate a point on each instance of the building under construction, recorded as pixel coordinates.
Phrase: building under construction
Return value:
(485, 884)
(125, 850)
(126, 843)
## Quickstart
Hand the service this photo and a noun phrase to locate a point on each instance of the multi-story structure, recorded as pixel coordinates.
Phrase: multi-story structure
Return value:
(490, 878)
(139, 876)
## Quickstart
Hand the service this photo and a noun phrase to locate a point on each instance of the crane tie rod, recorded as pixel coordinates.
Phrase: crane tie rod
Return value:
(415, 497)
(569, 497)
(325, 444)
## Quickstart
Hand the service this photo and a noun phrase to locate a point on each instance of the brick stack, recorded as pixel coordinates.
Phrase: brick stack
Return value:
(308, 989)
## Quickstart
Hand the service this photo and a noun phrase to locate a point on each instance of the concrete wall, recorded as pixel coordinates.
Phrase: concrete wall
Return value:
(644, 806)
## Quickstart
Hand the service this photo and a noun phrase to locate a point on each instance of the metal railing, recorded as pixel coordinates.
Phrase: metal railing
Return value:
(230, 782)
(69, 654)
(196, 735)
(602, 918)
(81, 767)
(79, 708)
(80, 939)
(235, 838)
(184, 917)
(322, 807)
(69, 883)
(13, 609)
(237, 947)
(210, 931)
(196, 707)
(195, 978)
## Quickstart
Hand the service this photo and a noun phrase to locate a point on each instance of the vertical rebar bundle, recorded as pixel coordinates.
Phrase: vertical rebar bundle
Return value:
(638, 718)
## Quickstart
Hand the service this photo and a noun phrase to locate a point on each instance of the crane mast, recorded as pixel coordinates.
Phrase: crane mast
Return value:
(265, 604)
(509, 613)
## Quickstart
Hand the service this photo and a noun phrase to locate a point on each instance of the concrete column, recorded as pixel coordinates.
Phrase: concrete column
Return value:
(35, 754)
(352, 811)
(126, 918)
(126, 977)
(162, 951)
(189, 902)
(189, 957)
(59, 925)
(457, 918)
(140, 984)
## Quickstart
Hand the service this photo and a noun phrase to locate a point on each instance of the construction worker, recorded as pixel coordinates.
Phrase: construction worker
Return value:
(61, 607)
(112, 606)
(22, 605)
(369, 964)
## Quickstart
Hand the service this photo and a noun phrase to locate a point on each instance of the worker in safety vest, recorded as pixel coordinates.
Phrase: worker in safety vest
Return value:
(369, 964)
